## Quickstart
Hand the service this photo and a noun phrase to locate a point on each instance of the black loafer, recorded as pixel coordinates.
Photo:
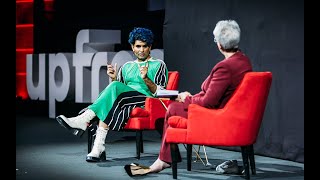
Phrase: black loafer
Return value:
(135, 169)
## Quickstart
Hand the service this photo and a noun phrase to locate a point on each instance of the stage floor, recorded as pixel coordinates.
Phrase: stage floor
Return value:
(45, 150)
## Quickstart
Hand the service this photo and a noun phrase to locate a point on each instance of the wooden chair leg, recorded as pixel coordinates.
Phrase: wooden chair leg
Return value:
(244, 152)
(174, 156)
(251, 159)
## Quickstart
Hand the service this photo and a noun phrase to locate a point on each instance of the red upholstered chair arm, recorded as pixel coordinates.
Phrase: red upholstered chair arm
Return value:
(178, 122)
(156, 109)
(202, 121)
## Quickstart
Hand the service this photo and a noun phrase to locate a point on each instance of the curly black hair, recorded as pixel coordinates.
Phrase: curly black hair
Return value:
(142, 34)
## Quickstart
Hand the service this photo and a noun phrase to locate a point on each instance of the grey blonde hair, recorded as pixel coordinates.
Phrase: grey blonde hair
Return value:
(227, 33)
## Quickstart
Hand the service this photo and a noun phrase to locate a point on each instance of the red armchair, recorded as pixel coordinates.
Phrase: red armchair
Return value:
(143, 118)
(237, 124)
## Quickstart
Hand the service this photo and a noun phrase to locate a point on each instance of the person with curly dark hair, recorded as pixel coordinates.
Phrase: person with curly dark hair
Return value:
(131, 84)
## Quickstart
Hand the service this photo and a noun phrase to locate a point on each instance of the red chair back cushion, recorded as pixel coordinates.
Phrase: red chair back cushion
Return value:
(173, 80)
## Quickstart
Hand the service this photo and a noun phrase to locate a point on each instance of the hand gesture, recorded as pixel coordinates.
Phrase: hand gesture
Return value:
(144, 70)
(112, 71)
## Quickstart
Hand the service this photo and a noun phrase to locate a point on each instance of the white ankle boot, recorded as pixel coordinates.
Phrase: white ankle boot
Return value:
(77, 124)
(98, 151)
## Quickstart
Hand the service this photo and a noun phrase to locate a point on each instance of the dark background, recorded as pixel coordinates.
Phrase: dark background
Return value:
(58, 33)
(272, 36)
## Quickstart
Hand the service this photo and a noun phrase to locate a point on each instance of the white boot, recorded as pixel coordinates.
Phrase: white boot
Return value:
(77, 124)
(98, 151)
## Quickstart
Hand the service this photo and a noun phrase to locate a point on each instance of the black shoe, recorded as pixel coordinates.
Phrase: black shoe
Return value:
(75, 131)
(135, 169)
(102, 157)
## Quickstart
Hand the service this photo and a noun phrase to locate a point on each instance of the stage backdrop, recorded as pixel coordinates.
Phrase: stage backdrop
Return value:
(272, 35)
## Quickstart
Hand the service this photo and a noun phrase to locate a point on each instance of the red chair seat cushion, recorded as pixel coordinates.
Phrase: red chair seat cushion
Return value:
(138, 123)
(139, 119)
(139, 112)
(178, 122)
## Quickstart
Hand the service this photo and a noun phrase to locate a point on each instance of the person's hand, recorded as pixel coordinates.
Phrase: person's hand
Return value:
(112, 71)
(144, 70)
(182, 96)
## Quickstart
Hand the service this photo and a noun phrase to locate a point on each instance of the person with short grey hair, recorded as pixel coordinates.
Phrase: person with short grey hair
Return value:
(227, 34)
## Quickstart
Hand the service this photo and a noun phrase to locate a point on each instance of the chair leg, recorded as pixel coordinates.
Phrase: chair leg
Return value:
(91, 134)
(174, 156)
(189, 156)
(244, 152)
(90, 130)
(138, 143)
(90, 138)
(251, 159)
(141, 143)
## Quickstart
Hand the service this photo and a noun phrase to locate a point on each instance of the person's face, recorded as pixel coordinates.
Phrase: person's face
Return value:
(141, 50)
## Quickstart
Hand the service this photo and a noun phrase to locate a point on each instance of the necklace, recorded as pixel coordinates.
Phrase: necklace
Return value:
(146, 63)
